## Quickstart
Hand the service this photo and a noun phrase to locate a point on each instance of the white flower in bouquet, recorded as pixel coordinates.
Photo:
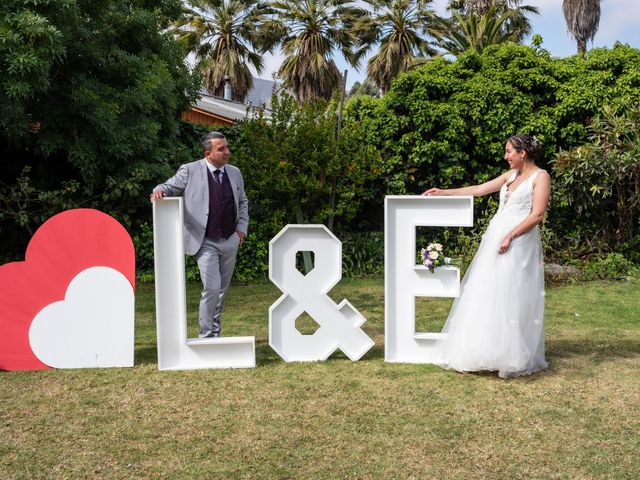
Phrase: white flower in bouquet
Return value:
(433, 256)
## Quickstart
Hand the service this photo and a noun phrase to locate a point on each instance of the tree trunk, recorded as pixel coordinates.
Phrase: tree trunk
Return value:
(478, 7)
(582, 46)
(332, 197)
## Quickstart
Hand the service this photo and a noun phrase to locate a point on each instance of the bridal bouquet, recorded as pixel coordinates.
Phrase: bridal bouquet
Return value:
(433, 256)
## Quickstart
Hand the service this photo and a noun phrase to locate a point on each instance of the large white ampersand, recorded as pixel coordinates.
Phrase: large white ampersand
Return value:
(339, 324)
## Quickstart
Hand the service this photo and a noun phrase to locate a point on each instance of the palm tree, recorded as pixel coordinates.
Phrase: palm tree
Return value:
(472, 6)
(310, 32)
(226, 37)
(583, 18)
(518, 25)
(502, 21)
(480, 7)
(397, 27)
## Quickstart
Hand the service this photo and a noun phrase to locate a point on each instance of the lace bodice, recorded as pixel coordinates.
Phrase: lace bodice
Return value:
(517, 202)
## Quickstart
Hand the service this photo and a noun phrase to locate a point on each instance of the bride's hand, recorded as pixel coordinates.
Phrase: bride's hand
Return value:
(433, 192)
(504, 246)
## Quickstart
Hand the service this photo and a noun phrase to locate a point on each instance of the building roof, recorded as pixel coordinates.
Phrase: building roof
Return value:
(258, 97)
(235, 111)
(260, 93)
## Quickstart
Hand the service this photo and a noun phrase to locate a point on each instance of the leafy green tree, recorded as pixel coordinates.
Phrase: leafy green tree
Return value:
(91, 97)
(367, 87)
(445, 123)
(226, 37)
(600, 179)
(310, 32)
(396, 29)
(30, 47)
(297, 171)
(294, 160)
(583, 18)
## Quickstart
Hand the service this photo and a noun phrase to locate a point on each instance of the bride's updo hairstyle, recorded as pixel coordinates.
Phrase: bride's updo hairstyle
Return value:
(529, 144)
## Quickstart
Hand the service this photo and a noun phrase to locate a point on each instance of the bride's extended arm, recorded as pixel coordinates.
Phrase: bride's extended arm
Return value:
(475, 190)
(541, 193)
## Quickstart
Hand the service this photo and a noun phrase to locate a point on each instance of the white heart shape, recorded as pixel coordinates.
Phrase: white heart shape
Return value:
(92, 327)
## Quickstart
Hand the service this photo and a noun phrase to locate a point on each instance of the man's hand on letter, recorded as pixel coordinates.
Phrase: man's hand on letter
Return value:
(156, 195)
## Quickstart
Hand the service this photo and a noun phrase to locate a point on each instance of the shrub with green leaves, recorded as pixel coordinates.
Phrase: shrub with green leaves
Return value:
(91, 94)
(600, 180)
(609, 266)
(445, 124)
(296, 170)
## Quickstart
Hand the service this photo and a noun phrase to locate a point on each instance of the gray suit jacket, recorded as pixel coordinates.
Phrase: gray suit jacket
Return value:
(191, 183)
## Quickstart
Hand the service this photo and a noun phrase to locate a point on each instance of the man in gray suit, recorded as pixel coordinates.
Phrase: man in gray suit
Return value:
(216, 217)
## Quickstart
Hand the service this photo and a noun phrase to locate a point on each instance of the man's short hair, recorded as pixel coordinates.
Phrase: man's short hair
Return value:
(206, 140)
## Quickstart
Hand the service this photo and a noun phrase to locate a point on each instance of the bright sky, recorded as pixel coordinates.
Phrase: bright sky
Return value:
(619, 21)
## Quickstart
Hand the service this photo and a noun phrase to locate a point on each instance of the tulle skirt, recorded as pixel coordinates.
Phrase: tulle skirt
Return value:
(497, 322)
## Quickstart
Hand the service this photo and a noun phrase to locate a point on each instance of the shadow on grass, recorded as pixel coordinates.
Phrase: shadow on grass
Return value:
(598, 349)
(376, 352)
(265, 355)
(146, 354)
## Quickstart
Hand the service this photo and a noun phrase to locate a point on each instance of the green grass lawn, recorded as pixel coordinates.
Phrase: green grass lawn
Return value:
(340, 419)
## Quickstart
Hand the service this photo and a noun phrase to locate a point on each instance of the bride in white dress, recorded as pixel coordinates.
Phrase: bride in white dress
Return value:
(497, 322)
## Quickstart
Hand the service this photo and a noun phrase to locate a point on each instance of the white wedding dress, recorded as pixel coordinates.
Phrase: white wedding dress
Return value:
(497, 322)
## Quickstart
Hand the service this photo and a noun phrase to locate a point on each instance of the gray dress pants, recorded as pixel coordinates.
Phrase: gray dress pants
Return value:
(216, 261)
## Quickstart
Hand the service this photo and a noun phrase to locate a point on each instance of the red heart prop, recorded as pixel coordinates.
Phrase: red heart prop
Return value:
(61, 248)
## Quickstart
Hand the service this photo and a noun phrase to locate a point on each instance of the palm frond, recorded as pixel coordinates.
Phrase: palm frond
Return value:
(226, 36)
